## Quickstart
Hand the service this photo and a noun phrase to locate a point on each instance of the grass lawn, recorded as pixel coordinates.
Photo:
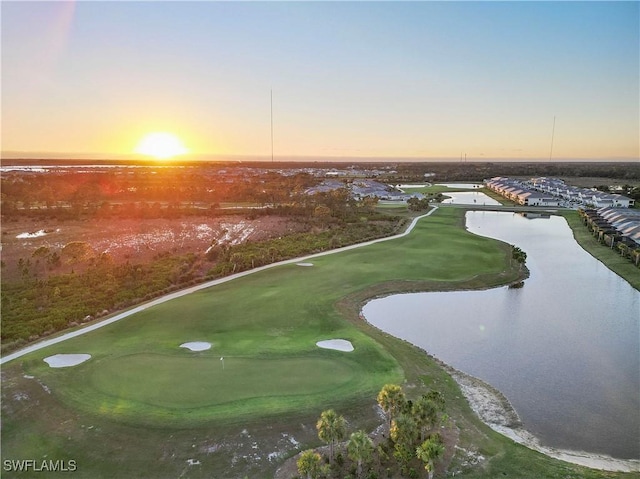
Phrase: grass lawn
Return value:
(614, 261)
(274, 315)
(144, 407)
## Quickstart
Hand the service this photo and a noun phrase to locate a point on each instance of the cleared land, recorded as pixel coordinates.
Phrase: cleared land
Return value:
(266, 326)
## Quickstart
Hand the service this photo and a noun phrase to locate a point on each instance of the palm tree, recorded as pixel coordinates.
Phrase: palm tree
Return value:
(404, 429)
(425, 413)
(437, 398)
(404, 432)
(360, 448)
(391, 398)
(331, 429)
(429, 452)
(310, 464)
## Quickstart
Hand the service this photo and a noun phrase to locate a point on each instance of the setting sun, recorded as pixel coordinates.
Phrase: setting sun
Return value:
(161, 145)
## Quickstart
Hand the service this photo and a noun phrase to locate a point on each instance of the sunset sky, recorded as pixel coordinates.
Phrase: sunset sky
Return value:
(419, 80)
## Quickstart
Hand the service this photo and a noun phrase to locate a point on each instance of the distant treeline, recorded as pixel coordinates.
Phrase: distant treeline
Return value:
(145, 192)
(177, 191)
(476, 171)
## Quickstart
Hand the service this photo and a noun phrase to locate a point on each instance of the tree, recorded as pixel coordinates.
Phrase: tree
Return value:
(370, 203)
(331, 429)
(77, 251)
(429, 452)
(310, 464)
(425, 413)
(437, 398)
(519, 255)
(322, 211)
(391, 398)
(404, 429)
(418, 204)
(360, 448)
(404, 433)
(41, 254)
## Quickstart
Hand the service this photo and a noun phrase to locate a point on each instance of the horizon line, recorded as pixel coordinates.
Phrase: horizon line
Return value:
(55, 156)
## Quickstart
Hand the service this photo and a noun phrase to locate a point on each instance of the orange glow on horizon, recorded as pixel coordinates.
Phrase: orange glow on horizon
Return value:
(161, 145)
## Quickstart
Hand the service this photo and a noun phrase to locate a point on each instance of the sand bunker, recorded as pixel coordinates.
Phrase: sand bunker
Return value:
(304, 264)
(196, 346)
(338, 344)
(66, 360)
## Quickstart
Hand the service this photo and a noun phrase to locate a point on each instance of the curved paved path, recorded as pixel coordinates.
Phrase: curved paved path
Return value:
(184, 292)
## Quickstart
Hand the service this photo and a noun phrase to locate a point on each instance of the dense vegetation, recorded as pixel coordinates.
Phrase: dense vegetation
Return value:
(477, 171)
(412, 440)
(145, 192)
(43, 301)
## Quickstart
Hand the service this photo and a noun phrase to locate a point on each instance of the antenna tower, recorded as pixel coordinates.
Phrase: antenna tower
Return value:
(553, 131)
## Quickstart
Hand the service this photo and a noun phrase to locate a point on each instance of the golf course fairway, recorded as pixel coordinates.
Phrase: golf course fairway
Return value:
(263, 379)
(266, 326)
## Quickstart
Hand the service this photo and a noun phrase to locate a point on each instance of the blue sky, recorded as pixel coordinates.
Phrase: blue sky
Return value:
(369, 79)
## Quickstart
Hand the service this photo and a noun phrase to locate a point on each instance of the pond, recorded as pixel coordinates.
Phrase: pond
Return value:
(564, 349)
(469, 198)
(461, 185)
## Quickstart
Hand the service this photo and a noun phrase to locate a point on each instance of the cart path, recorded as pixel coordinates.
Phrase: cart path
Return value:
(183, 292)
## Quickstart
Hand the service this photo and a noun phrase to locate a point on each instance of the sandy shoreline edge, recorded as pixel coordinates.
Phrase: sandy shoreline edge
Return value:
(495, 410)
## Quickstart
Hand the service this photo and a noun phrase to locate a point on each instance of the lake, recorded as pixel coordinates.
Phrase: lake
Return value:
(565, 348)
(469, 198)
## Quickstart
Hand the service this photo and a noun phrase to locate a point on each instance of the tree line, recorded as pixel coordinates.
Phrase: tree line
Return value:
(478, 171)
(143, 192)
(413, 442)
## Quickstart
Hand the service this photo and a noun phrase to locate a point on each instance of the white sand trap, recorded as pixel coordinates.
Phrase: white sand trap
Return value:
(304, 264)
(196, 346)
(66, 360)
(338, 344)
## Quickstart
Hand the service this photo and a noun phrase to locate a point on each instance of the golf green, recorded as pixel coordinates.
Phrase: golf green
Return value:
(168, 381)
(144, 387)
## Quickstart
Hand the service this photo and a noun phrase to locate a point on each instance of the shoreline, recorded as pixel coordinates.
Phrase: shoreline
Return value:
(494, 409)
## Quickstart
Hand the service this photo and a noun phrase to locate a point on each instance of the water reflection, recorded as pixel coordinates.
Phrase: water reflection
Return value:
(565, 349)
(469, 198)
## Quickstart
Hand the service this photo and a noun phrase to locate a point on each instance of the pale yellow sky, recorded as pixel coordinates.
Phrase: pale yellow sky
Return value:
(408, 80)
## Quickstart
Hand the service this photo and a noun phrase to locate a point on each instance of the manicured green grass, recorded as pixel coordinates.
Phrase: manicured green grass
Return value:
(143, 407)
(611, 258)
(275, 316)
(178, 390)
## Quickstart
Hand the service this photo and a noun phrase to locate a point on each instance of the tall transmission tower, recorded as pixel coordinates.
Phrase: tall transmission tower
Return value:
(553, 131)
